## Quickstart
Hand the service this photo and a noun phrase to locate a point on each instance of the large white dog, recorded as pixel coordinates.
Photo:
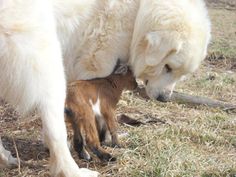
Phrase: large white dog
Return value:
(161, 41)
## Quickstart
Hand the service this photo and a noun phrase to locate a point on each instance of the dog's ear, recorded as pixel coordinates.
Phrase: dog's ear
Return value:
(159, 46)
(121, 69)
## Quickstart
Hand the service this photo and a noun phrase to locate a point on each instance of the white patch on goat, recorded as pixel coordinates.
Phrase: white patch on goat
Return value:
(96, 107)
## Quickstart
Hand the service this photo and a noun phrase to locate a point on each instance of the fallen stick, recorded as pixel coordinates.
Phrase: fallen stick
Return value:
(124, 119)
(184, 98)
(127, 120)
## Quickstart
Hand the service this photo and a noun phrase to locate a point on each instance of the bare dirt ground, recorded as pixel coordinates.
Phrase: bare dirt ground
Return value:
(184, 141)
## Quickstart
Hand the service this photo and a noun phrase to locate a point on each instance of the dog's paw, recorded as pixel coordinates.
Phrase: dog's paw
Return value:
(70, 169)
(81, 172)
(84, 172)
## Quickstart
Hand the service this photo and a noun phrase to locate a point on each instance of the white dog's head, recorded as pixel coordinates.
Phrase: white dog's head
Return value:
(163, 50)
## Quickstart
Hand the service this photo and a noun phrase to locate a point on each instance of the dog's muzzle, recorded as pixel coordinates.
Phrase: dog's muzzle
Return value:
(164, 97)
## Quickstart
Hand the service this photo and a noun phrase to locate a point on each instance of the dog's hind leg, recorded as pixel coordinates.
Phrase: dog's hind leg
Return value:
(6, 159)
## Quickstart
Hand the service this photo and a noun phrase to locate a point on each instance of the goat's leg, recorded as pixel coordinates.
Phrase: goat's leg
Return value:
(79, 144)
(112, 127)
(6, 159)
(101, 128)
(73, 115)
(101, 153)
(93, 142)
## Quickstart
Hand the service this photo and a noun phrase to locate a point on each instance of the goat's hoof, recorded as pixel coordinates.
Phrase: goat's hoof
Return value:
(112, 159)
(85, 156)
(116, 145)
(107, 158)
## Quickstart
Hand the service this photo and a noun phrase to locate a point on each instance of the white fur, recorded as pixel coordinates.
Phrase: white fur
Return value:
(169, 32)
(90, 35)
(31, 74)
(96, 107)
(145, 33)
(103, 36)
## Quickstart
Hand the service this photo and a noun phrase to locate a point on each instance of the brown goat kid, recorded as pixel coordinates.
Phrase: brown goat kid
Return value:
(90, 108)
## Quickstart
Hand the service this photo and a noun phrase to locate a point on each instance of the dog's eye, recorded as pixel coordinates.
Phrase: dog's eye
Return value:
(168, 68)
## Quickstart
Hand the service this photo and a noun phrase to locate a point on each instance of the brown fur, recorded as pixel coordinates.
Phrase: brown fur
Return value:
(90, 129)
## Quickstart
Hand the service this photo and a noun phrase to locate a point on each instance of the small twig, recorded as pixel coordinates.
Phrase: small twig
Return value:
(151, 119)
(17, 156)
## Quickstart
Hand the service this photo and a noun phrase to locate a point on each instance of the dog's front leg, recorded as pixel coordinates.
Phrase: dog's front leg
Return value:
(51, 108)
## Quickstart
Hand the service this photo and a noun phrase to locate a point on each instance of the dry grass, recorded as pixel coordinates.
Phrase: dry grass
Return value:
(192, 141)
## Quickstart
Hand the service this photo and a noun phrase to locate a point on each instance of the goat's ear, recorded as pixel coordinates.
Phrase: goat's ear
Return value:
(158, 46)
(121, 69)
(117, 65)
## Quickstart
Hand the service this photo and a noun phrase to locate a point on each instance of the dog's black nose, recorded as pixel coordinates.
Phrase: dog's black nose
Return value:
(162, 98)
